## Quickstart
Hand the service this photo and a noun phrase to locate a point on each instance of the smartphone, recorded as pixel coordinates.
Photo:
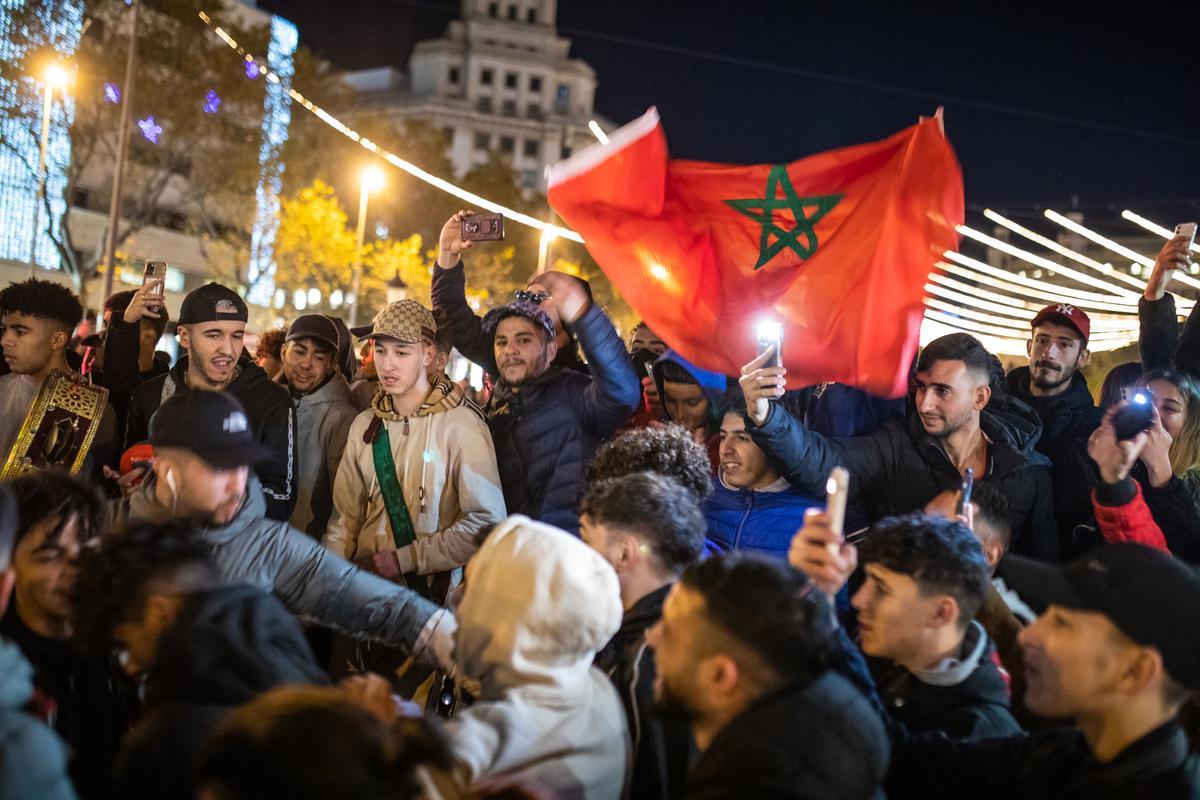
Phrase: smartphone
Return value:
(154, 271)
(1134, 418)
(482, 228)
(770, 334)
(964, 497)
(836, 489)
(1188, 231)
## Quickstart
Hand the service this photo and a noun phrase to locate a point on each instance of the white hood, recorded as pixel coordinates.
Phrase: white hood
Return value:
(539, 604)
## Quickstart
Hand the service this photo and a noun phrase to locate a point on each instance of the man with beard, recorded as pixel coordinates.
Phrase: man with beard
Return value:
(907, 462)
(212, 325)
(546, 420)
(768, 716)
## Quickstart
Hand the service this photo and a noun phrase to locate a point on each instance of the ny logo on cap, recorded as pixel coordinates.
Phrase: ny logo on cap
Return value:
(235, 422)
(1063, 308)
(225, 307)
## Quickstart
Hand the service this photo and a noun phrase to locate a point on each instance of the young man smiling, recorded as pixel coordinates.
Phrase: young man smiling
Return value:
(212, 325)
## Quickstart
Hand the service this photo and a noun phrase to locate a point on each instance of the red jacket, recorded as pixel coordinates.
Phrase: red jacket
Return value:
(1131, 522)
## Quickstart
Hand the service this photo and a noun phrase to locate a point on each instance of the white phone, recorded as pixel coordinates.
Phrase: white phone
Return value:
(1188, 231)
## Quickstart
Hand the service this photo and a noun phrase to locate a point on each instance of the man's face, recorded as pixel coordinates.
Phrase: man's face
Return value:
(30, 342)
(521, 351)
(400, 365)
(1172, 405)
(675, 639)
(213, 349)
(1074, 662)
(644, 338)
(306, 364)
(686, 404)
(138, 639)
(1056, 352)
(45, 568)
(949, 396)
(203, 492)
(148, 335)
(893, 615)
(743, 464)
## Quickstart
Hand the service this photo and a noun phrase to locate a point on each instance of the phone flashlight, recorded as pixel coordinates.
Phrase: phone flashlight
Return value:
(770, 334)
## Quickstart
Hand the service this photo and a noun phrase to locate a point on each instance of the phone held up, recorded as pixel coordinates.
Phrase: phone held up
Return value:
(964, 497)
(1187, 230)
(770, 334)
(1134, 418)
(482, 228)
(154, 271)
(836, 489)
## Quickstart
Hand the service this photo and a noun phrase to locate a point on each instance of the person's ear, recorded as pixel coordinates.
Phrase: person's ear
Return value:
(993, 553)
(983, 396)
(1144, 670)
(430, 354)
(723, 675)
(162, 611)
(182, 333)
(1085, 357)
(1029, 347)
(552, 350)
(944, 611)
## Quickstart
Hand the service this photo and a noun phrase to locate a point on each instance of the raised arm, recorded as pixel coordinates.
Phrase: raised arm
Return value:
(448, 295)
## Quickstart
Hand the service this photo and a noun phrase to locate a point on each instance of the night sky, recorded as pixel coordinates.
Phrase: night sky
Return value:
(1132, 67)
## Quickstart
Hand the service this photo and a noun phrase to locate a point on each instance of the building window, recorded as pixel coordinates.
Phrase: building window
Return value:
(535, 112)
(509, 108)
(452, 75)
(485, 77)
(566, 151)
(528, 178)
(482, 141)
(484, 104)
(535, 83)
(493, 9)
(531, 16)
(507, 144)
(511, 79)
(512, 13)
(532, 148)
(562, 98)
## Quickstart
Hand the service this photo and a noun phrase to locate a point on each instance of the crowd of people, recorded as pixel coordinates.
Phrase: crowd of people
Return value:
(326, 569)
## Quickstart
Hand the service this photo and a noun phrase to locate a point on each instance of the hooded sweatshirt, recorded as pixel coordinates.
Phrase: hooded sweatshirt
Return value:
(268, 408)
(539, 605)
(713, 384)
(323, 420)
(230, 645)
(310, 581)
(33, 762)
(447, 470)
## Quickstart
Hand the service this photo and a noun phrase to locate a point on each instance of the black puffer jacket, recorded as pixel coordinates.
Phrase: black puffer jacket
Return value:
(272, 419)
(231, 645)
(899, 468)
(819, 741)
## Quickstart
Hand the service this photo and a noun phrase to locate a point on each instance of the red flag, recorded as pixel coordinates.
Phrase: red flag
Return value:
(836, 247)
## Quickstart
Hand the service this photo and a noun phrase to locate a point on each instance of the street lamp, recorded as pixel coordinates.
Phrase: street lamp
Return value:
(370, 180)
(597, 131)
(397, 289)
(55, 76)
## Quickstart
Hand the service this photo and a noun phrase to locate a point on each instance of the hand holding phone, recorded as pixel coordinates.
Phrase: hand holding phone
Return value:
(155, 272)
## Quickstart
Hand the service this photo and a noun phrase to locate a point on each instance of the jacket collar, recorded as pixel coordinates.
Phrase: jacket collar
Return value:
(953, 671)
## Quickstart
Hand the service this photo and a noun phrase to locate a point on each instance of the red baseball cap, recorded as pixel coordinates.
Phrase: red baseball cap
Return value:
(1066, 314)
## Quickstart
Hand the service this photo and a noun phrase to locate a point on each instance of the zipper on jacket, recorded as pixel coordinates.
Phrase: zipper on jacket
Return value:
(737, 537)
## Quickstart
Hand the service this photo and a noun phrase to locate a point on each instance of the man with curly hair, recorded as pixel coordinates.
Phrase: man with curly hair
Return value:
(38, 318)
(662, 449)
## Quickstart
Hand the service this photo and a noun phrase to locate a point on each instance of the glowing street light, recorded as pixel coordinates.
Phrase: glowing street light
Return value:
(598, 132)
(371, 180)
(54, 76)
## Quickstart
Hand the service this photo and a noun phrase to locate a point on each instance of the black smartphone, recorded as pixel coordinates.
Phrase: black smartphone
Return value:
(770, 334)
(1134, 418)
(964, 497)
(482, 228)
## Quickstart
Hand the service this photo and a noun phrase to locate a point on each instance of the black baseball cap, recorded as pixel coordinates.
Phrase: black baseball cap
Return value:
(213, 425)
(212, 302)
(1152, 597)
(315, 326)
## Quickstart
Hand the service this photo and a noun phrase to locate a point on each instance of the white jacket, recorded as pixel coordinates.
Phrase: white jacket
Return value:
(539, 603)
(446, 466)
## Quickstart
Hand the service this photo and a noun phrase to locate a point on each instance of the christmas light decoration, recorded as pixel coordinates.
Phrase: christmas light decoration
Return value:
(112, 93)
(150, 129)
(212, 102)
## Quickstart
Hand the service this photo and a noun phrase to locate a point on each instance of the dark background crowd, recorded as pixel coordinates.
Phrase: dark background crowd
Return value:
(325, 569)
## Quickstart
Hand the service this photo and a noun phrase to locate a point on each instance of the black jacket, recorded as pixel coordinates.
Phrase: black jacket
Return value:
(898, 468)
(974, 708)
(1056, 765)
(1161, 343)
(662, 748)
(819, 741)
(270, 412)
(231, 645)
(122, 375)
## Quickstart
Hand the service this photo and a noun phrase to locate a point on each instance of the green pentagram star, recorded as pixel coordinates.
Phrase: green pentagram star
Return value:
(763, 211)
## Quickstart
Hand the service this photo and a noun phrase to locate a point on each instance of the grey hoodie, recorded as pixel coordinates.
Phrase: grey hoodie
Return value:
(323, 422)
(33, 762)
(310, 581)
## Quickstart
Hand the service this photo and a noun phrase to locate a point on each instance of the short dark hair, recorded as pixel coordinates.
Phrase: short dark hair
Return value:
(994, 509)
(662, 449)
(115, 579)
(47, 495)
(676, 373)
(44, 300)
(941, 555)
(270, 344)
(958, 347)
(770, 610)
(307, 741)
(655, 508)
(1119, 377)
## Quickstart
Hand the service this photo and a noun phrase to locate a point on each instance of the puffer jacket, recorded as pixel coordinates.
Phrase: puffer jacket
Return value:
(546, 433)
(268, 408)
(323, 420)
(230, 645)
(448, 474)
(310, 581)
(762, 521)
(899, 468)
(538, 607)
(33, 761)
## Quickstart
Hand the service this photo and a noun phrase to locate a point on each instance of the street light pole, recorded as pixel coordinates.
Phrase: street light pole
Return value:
(47, 99)
(114, 203)
(371, 179)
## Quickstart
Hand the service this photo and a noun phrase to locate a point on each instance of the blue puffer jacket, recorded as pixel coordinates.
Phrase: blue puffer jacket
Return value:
(546, 434)
(740, 519)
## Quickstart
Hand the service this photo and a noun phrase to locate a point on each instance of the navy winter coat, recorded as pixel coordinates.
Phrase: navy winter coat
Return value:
(740, 519)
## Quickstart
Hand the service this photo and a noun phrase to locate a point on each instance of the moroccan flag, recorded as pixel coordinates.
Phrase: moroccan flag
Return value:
(836, 247)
